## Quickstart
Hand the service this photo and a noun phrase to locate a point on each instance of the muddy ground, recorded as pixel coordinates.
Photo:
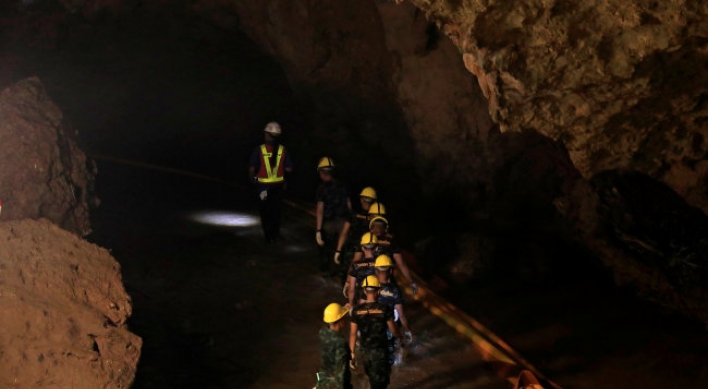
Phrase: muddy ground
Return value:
(217, 308)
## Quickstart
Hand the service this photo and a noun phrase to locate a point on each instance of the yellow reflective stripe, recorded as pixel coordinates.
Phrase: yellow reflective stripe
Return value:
(271, 172)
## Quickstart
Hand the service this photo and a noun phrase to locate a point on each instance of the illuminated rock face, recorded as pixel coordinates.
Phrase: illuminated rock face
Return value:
(43, 173)
(64, 312)
(622, 84)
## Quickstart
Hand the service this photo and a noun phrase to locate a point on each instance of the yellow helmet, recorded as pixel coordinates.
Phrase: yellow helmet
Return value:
(378, 219)
(371, 282)
(334, 312)
(326, 163)
(383, 260)
(368, 192)
(377, 209)
(369, 238)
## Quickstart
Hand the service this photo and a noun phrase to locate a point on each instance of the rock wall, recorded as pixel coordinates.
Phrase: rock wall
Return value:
(64, 312)
(380, 73)
(622, 84)
(441, 103)
(43, 173)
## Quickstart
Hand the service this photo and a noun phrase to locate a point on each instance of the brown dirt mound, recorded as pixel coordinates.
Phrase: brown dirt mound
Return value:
(63, 312)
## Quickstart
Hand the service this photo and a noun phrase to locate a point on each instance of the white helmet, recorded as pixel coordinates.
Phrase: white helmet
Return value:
(273, 128)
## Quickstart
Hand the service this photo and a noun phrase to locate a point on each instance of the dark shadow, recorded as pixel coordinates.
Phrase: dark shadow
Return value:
(449, 378)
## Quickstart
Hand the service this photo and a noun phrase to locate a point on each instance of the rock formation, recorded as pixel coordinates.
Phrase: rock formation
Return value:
(43, 174)
(63, 305)
(622, 84)
(64, 312)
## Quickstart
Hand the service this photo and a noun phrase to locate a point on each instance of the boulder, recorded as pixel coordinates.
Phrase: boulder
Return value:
(63, 311)
(43, 173)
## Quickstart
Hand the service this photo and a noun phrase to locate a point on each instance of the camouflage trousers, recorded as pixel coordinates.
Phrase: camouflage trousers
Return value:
(331, 383)
(377, 367)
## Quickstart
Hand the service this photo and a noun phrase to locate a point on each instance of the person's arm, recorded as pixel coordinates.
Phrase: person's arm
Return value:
(288, 162)
(343, 235)
(352, 287)
(254, 164)
(320, 215)
(401, 264)
(342, 356)
(320, 218)
(402, 317)
(353, 328)
(394, 330)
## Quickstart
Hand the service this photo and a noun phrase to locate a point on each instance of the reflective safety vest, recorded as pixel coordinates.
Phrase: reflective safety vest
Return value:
(268, 174)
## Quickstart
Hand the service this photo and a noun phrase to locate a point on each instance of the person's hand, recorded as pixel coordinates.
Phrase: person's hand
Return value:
(414, 286)
(352, 362)
(336, 257)
(263, 195)
(345, 291)
(409, 337)
(318, 238)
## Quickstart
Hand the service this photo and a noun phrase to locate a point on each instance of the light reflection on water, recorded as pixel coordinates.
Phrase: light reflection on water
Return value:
(224, 218)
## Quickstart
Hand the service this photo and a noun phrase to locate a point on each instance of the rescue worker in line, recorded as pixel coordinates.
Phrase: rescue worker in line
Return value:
(333, 208)
(268, 165)
(361, 268)
(354, 228)
(376, 209)
(391, 296)
(379, 227)
(334, 372)
(371, 319)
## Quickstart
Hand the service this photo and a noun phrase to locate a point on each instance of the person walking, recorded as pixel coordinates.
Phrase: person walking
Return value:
(392, 296)
(268, 165)
(387, 245)
(371, 319)
(354, 228)
(334, 372)
(360, 268)
(333, 209)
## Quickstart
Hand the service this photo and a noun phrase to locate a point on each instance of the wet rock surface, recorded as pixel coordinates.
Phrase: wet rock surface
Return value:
(64, 312)
(43, 172)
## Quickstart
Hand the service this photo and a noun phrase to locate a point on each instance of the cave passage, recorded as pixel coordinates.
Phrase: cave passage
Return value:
(178, 91)
(164, 89)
